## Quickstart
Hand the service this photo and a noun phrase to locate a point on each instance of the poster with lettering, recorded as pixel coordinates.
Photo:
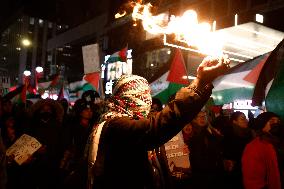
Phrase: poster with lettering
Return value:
(178, 156)
(23, 148)
(91, 58)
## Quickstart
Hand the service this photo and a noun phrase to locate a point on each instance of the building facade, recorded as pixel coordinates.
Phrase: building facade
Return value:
(57, 46)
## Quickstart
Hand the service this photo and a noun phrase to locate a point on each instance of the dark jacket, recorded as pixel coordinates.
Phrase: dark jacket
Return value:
(206, 157)
(235, 141)
(122, 160)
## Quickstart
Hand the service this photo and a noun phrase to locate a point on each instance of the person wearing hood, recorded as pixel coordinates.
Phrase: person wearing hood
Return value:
(117, 150)
(205, 153)
(263, 156)
(42, 167)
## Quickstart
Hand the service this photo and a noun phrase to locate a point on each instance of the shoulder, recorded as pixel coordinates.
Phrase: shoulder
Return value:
(258, 145)
(126, 125)
(125, 121)
(255, 143)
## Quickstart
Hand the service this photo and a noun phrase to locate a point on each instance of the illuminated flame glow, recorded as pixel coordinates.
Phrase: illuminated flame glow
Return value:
(186, 28)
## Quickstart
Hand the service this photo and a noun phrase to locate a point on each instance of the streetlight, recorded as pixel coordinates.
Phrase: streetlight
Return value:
(38, 74)
(39, 69)
(26, 77)
(27, 73)
(26, 42)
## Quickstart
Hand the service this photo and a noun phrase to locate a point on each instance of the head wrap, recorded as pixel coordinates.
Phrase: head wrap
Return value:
(131, 97)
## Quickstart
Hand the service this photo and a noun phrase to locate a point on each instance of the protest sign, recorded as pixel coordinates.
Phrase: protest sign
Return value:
(91, 58)
(23, 148)
(178, 156)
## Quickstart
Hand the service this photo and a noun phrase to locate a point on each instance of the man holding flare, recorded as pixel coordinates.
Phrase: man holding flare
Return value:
(117, 148)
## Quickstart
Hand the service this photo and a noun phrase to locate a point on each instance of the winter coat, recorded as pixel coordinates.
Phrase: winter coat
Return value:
(122, 159)
(260, 166)
(206, 157)
(235, 141)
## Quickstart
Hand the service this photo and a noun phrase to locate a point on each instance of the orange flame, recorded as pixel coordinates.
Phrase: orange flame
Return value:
(186, 28)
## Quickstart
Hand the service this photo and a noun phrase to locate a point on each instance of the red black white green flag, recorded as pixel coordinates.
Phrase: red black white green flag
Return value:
(171, 81)
(269, 87)
(118, 56)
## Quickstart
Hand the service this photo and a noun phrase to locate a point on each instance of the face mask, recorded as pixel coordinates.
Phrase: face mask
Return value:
(276, 130)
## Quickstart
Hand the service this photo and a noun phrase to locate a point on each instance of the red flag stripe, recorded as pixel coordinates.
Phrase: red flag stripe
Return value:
(93, 79)
(178, 70)
(123, 54)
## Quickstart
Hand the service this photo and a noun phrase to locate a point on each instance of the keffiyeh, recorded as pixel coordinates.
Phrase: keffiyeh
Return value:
(131, 97)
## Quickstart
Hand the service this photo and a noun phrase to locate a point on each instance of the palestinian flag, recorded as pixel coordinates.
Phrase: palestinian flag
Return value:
(93, 79)
(270, 84)
(13, 92)
(239, 82)
(171, 81)
(89, 82)
(17, 95)
(118, 56)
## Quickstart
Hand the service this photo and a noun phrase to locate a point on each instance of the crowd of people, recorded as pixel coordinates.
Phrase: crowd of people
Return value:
(62, 133)
(119, 142)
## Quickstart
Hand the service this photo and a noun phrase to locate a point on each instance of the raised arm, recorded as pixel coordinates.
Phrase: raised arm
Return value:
(180, 111)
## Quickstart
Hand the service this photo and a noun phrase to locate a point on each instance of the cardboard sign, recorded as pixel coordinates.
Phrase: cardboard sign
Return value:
(23, 148)
(91, 58)
(178, 156)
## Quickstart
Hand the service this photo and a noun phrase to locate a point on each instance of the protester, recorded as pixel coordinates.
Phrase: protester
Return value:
(93, 101)
(79, 128)
(42, 168)
(157, 157)
(91, 97)
(65, 105)
(10, 134)
(117, 150)
(187, 133)
(236, 136)
(72, 162)
(205, 154)
(156, 105)
(7, 107)
(263, 157)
